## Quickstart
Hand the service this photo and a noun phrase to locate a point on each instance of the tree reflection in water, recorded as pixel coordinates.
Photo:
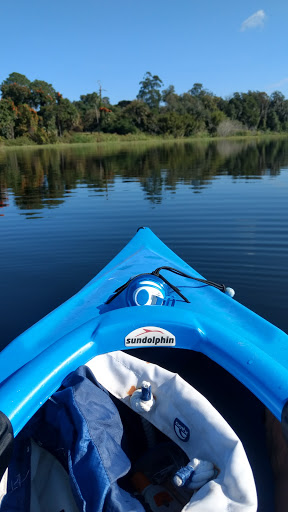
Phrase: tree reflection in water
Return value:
(43, 177)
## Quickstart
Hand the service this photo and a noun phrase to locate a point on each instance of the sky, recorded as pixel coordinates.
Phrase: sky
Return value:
(77, 45)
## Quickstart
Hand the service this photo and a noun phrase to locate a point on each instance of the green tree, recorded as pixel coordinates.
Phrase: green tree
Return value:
(177, 125)
(171, 99)
(26, 122)
(251, 110)
(67, 116)
(214, 119)
(88, 107)
(17, 78)
(123, 126)
(116, 122)
(197, 90)
(245, 107)
(47, 119)
(17, 88)
(123, 103)
(19, 94)
(234, 107)
(141, 116)
(263, 102)
(42, 93)
(205, 107)
(8, 116)
(273, 122)
(149, 91)
(171, 123)
(279, 105)
(192, 106)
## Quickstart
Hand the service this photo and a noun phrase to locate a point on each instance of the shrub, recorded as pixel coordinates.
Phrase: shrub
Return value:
(228, 128)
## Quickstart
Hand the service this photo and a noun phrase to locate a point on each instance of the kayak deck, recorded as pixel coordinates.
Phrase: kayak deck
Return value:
(247, 346)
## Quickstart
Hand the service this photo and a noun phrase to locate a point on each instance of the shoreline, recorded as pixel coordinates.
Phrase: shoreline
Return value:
(121, 140)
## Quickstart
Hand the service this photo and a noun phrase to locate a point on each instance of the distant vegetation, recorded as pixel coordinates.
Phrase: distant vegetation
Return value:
(35, 113)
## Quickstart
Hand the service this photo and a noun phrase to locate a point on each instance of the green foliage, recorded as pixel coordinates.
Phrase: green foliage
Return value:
(250, 109)
(88, 108)
(279, 105)
(19, 94)
(42, 93)
(8, 115)
(123, 103)
(35, 94)
(171, 123)
(177, 125)
(26, 122)
(273, 122)
(20, 141)
(197, 90)
(193, 105)
(47, 118)
(93, 109)
(124, 126)
(17, 78)
(116, 122)
(149, 91)
(213, 120)
(34, 111)
(171, 100)
(41, 136)
(141, 116)
(67, 116)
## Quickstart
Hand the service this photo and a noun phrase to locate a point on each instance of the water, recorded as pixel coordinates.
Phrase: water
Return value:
(222, 206)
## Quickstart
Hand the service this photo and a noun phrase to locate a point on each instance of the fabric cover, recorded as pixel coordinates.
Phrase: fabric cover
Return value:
(78, 432)
(81, 427)
(208, 436)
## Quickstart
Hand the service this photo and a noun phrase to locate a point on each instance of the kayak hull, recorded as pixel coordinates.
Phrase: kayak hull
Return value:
(250, 348)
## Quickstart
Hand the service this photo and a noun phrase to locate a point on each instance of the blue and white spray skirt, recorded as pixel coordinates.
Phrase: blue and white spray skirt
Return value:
(70, 456)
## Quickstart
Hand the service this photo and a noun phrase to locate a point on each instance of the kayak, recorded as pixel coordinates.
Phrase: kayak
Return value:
(249, 347)
(111, 314)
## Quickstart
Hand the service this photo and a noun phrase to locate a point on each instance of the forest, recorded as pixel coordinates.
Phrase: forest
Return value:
(33, 112)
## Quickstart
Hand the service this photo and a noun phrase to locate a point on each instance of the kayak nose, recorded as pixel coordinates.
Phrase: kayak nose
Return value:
(146, 291)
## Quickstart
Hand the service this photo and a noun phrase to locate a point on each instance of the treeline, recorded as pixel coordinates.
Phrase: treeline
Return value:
(36, 112)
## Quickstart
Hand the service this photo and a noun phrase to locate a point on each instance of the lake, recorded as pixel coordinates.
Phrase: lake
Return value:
(222, 206)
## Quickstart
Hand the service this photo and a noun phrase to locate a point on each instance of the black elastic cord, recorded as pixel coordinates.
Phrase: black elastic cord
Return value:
(173, 287)
(220, 287)
(156, 273)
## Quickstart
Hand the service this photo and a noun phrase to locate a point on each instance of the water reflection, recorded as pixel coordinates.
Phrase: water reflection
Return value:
(43, 178)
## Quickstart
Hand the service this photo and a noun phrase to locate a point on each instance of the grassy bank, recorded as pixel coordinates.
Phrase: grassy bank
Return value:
(115, 139)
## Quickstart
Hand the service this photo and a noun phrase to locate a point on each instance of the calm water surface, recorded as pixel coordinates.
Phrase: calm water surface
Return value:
(222, 206)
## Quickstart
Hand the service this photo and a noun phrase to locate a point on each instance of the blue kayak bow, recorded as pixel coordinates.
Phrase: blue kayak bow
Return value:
(200, 317)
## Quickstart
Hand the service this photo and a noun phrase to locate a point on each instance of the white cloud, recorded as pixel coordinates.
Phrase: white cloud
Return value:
(256, 20)
(278, 85)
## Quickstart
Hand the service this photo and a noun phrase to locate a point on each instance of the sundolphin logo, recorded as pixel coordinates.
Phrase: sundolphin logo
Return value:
(181, 430)
(150, 337)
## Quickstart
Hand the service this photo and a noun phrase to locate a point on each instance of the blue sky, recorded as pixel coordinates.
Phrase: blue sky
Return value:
(227, 46)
